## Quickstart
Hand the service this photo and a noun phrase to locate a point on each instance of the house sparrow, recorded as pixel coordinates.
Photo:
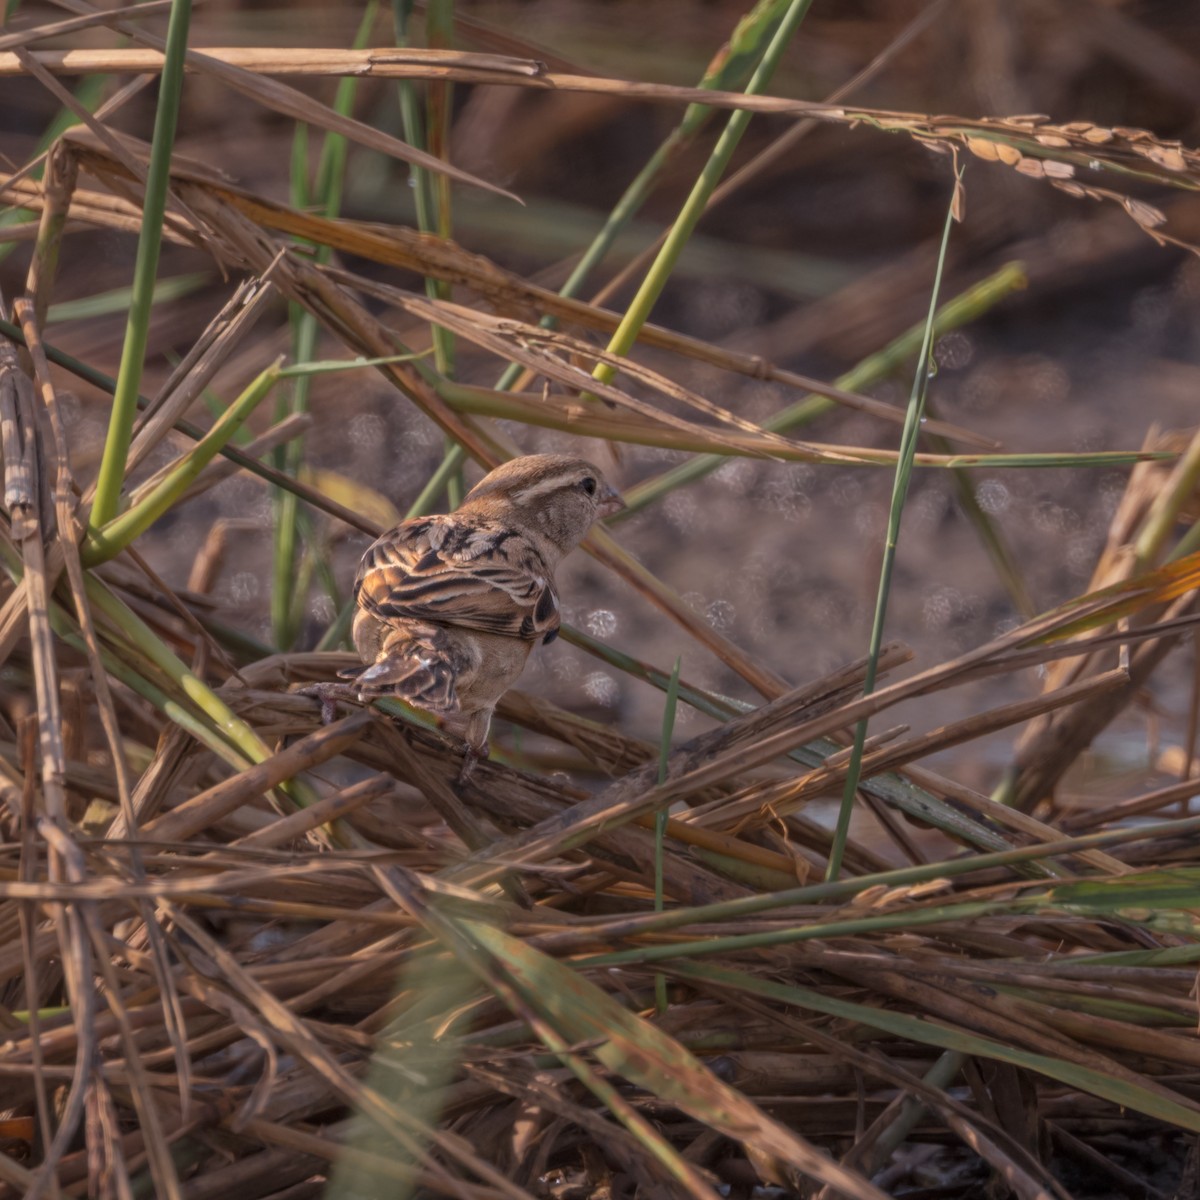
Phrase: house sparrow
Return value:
(449, 606)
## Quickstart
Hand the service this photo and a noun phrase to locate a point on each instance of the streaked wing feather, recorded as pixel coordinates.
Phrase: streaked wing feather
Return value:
(458, 573)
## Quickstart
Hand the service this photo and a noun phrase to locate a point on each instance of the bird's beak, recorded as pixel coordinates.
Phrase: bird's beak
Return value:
(610, 502)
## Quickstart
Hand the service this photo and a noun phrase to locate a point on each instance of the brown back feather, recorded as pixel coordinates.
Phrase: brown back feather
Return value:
(467, 574)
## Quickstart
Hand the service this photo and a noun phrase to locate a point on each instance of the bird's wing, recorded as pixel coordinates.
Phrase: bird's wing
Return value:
(461, 573)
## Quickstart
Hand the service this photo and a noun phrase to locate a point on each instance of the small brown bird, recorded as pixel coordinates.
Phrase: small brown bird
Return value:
(449, 606)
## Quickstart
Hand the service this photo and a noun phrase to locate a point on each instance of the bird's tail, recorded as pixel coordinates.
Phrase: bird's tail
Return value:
(419, 663)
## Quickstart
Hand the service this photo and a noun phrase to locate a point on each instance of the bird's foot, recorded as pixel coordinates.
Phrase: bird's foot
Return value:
(328, 693)
(471, 758)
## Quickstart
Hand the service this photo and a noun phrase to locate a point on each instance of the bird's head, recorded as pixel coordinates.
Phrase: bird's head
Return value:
(553, 497)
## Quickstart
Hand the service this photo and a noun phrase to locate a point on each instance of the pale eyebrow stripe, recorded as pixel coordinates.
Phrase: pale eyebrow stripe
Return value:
(553, 484)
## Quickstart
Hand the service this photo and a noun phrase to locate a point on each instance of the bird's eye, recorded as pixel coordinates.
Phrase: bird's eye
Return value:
(588, 485)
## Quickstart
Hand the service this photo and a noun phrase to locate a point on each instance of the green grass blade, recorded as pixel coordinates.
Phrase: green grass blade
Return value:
(410, 117)
(288, 599)
(432, 197)
(107, 384)
(232, 728)
(635, 429)
(102, 544)
(726, 72)
(908, 448)
(1123, 1093)
(638, 312)
(844, 889)
(334, 365)
(580, 1013)
(131, 640)
(120, 299)
(133, 353)
(994, 543)
(740, 943)
(660, 818)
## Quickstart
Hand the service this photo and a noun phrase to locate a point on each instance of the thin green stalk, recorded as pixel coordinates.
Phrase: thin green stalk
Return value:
(106, 383)
(334, 366)
(133, 353)
(109, 540)
(660, 818)
(1150, 900)
(431, 199)
(943, 1072)
(455, 487)
(901, 920)
(305, 568)
(287, 458)
(450, 465)
(1188, 544)
(1122, 1092)
(1164, 515)
(638, 312)
(318, 549)
(908, 448)
(844, 889)
(119, 299)
(338, 632)
(410, 117)
(288, 599)
(439, 35)
(994, 543)
(725, 73)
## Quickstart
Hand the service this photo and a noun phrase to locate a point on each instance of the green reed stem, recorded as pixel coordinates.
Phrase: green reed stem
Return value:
(660, 270)
(904, 468)
(725, 73)
(133, 353)
(660, 818)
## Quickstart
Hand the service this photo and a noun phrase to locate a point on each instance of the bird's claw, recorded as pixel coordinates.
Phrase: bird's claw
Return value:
(471, 758)
(328, 694)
